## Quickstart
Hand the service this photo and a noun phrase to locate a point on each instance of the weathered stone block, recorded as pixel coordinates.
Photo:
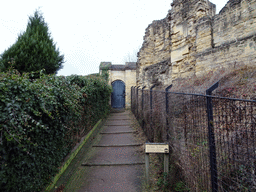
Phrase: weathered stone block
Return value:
(194, 40)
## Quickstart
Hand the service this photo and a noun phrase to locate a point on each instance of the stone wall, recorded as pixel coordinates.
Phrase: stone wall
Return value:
(236, 20)
(155, 49)
(192, 41)
(234, 38)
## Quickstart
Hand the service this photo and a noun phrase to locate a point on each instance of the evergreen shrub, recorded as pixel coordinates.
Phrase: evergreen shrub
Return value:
(34, 49)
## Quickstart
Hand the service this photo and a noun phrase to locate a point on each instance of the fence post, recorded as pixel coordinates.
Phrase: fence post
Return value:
(142, 106)
(151, 108)
(213, 160)
(142, 100)
(131, 98)
(137, 113)
(167, 110)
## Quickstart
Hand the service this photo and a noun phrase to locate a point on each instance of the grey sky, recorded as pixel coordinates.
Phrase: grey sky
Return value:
(87, 32)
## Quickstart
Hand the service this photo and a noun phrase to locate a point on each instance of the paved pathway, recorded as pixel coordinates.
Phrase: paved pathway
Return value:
(115, 164)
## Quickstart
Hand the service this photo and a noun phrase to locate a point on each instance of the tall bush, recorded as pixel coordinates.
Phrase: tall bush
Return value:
(96, 94)
(34, 50)
(39, 124)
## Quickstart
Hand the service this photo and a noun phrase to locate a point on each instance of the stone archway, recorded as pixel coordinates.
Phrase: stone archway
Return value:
(118, 94)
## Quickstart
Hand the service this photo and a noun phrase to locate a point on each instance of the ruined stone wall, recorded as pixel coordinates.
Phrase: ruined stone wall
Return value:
(234, 38)
(235, 21)
(190, 33)
(155, 49)
(192, 40)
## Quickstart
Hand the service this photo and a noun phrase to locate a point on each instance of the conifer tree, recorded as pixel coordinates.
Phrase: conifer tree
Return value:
(34, 49)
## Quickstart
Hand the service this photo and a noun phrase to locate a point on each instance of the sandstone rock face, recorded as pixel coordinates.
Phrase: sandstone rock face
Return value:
(192, 40)
(236, 20)
(233, 37)
(189, 21)
(155, 49)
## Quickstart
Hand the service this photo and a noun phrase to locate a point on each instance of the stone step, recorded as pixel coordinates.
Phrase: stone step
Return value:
(107, 156)
(117, 139)
(117, 129)
(119, 115)
(112, 164)
(120, 132)
(120, 124)
(118, 119)
(120, 145)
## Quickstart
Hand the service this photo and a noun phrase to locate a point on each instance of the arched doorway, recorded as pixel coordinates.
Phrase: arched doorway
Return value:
(118, 94)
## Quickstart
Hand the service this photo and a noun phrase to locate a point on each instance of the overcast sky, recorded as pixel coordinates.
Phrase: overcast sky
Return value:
(87, 32)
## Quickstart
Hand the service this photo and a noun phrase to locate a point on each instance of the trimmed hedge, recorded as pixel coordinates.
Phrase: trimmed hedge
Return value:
(41, 121)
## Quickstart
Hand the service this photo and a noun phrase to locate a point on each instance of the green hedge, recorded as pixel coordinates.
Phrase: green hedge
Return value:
(41, 121)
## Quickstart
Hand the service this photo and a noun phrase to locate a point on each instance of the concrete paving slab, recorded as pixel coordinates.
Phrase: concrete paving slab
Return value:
(116, 155)
(119, 118)
(118, 122)
(115, 163)
(113, 179)
(117, 128)
(117, 139)
(118, 132)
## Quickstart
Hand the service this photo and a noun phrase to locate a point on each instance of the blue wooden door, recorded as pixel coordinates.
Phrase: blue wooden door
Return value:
(118, 94)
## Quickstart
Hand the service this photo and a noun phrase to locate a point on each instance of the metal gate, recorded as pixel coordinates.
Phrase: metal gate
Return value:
(118, 94)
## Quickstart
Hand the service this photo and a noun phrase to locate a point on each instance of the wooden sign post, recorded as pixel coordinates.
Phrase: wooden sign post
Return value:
(156, 148)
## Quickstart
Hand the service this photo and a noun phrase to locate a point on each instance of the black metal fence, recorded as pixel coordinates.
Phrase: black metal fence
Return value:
(212, 139)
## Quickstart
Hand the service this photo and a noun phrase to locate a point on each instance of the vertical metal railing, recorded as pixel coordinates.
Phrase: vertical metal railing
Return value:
(132, 99)
(137, 101)
(151, 111)
(212, 138)
(167, 110)
(213, 159)
(142, 108)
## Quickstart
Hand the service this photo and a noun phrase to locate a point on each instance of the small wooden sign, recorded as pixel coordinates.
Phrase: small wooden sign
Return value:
(156, 148)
